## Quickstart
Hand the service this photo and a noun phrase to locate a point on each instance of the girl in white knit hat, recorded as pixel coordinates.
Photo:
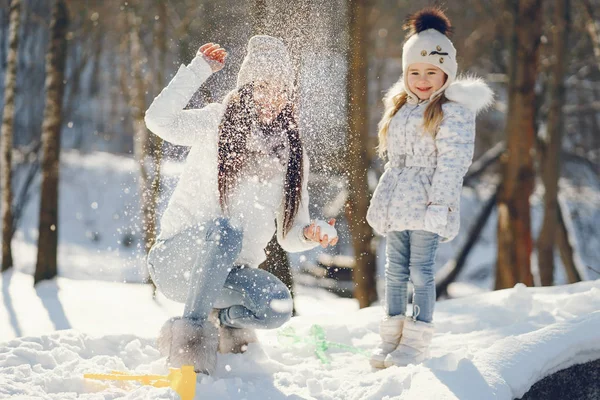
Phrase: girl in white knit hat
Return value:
(427, 134)
(245, 178)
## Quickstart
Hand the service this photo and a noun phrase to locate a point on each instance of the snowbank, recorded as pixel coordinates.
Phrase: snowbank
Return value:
(489, 346)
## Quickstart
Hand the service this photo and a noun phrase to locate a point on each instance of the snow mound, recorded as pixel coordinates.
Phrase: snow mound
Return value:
(492, 345)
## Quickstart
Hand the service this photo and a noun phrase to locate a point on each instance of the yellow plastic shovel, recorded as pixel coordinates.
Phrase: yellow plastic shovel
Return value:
(181, 380)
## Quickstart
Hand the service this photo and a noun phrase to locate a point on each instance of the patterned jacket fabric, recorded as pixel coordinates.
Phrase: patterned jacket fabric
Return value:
(424, 170)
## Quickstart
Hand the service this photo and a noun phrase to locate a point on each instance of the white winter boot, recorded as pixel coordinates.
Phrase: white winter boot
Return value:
(414, 344)
(232, 340)
(390, 330)
(186, 341)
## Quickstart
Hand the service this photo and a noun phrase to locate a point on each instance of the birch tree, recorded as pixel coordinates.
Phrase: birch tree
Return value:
(8, 119)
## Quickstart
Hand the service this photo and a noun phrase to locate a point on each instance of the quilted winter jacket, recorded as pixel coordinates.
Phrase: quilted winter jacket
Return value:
(425, 170)
(255, 204)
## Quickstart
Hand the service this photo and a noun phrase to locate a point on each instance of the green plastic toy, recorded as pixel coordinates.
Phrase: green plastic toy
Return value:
(316, 338)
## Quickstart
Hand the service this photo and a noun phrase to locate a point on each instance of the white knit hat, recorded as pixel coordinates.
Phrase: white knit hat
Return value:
(267, 60)
(429, 44)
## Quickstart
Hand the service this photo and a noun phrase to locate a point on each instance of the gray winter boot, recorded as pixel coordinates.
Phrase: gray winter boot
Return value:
(235, 340)
(187, 341)
(390, 330)
(414, 344)
(232, 340)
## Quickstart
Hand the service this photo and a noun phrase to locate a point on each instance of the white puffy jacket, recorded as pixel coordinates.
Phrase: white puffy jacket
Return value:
(254, 204)
(425, 170)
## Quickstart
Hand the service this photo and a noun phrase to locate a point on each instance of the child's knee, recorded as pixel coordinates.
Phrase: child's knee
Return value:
(422, 276)
(396, 273)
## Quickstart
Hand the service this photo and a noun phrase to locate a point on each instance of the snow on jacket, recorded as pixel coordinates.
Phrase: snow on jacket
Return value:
(257, 201)
(425, 170)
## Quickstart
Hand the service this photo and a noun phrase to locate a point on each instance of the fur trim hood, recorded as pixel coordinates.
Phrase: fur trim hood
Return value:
(471, 92)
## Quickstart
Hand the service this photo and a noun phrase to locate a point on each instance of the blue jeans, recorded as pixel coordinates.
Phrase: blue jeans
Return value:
(411, 254)
(196, 267)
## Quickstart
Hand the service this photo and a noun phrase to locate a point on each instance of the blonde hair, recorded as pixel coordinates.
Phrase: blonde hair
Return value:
(431, 119)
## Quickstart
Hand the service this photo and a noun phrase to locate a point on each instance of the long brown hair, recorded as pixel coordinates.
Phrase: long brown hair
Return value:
(432, 118)
(234, 131)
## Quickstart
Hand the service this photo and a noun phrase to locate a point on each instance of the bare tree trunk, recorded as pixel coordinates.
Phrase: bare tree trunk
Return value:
(141, 143)
(8, 119)
(46, 267)
(450, 271)
(514, 213)
(357, 157)
(593, 27)
(278, 264)
(550, 165)
(481, 165)
(566, 247)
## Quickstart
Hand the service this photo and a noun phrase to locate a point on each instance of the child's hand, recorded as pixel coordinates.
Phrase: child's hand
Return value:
(313, 232)
(436, 218)
(214, 55)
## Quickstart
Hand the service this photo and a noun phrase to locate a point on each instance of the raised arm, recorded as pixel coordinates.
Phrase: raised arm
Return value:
(166, 116)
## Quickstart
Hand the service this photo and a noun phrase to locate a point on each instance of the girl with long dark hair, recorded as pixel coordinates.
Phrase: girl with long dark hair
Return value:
(245, 177)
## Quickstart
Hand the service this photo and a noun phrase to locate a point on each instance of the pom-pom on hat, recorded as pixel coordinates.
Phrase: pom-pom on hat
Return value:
(267, 60)
(429, 43)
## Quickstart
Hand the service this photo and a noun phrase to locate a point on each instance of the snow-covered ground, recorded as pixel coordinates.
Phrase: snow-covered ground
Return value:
(487, 345)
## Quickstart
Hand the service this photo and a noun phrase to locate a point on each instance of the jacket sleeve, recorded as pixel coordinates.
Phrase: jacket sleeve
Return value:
(166, 117)
(455, 142)
(294, 241)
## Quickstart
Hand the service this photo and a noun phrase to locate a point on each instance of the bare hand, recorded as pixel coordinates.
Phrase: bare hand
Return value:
(313, 232)
(214, 55)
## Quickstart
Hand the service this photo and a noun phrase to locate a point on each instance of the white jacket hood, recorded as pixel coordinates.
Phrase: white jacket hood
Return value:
(472, 92)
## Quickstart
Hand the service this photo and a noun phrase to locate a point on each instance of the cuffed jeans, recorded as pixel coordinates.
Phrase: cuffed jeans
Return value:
(196, 267)
(411, 255)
